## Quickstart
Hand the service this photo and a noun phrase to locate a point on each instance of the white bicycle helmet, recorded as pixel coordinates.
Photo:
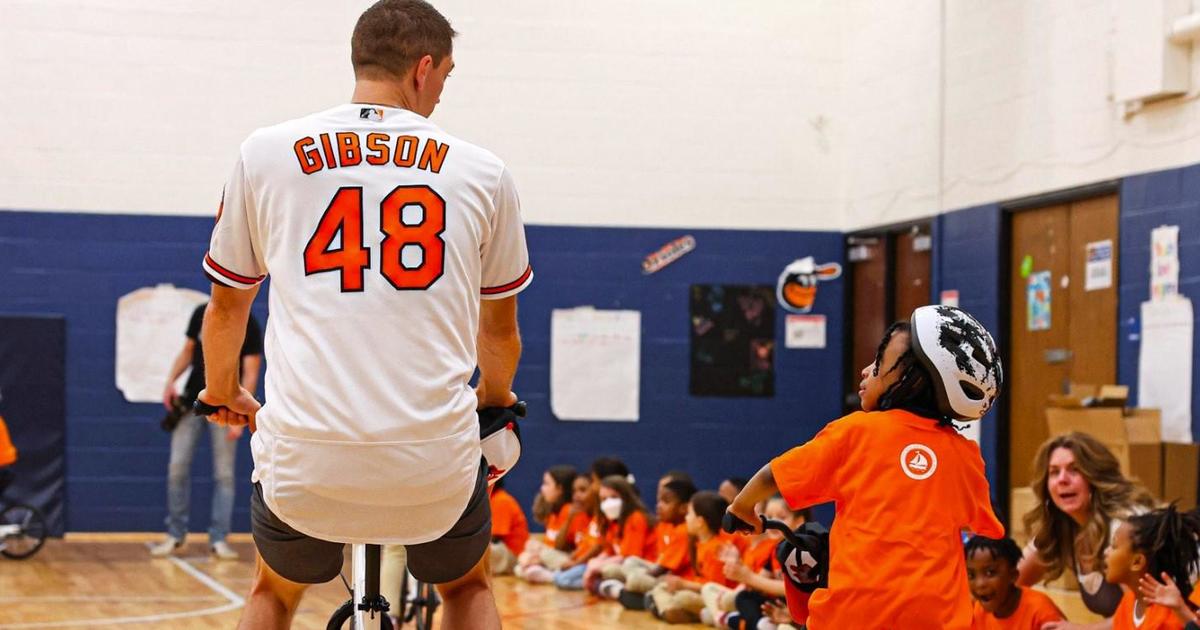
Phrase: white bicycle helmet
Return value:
(961, 358)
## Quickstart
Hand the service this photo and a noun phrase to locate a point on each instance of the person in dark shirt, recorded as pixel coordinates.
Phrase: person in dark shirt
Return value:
(186, 436)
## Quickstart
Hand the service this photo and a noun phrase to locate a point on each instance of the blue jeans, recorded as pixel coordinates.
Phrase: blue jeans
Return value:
(179, 480)
(570, 579)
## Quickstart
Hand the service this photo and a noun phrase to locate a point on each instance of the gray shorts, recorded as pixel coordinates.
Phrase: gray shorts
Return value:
(307, 560)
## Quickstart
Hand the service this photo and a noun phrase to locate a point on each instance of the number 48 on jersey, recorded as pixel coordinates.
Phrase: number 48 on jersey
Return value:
(352, 257)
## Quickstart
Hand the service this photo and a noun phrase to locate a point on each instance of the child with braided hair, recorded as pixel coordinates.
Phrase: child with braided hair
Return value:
(1162, 542)
(905, 483)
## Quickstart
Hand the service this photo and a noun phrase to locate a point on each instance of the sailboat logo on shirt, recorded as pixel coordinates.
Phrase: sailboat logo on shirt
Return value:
(918, 461)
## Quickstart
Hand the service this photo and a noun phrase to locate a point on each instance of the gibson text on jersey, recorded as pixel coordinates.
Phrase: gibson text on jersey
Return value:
(345, 148)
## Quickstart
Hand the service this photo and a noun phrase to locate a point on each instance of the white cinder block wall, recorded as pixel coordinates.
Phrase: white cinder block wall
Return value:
(790, 114)
(626, 112)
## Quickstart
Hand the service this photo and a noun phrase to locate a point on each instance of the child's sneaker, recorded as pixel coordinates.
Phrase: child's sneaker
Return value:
(631, 600)
(223, 551)
(706, 617)
(539, 575)
(610, 589)
(167, 547)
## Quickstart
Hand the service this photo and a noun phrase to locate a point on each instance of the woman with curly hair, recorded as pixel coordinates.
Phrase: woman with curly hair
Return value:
(1082, 499)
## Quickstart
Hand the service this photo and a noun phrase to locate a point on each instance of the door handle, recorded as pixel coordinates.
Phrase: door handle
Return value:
(1058, 355)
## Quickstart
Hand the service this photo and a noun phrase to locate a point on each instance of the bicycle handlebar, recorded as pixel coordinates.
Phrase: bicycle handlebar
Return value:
(733, 524)
(520, 408)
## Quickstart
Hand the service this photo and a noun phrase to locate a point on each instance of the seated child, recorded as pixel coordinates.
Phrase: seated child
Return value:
(730, 487)
(900, 473)
(570, 574)
(625, 526)
(757, 573)
(637, 576)
(1158, 542)
(676, 598)
(8, 457)
(552, 510)
(571, 539)
(999, 603)
(510, 530)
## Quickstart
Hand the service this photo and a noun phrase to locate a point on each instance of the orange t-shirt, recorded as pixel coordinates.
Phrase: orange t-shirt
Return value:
(631, 540)
(1034, 609)
(710, 567)
(587, 539)
(8, 452)
(671, 547)
(508, 521)
(904, 489)
(759, 554)
(1157, 617)
(555, 521)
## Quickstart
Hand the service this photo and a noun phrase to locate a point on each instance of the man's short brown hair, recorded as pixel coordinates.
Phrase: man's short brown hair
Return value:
(393, 35)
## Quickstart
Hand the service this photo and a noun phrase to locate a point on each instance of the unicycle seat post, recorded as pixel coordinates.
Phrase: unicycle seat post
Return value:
(369, 605)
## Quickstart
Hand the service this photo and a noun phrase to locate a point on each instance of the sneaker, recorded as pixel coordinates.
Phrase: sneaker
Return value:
(168, 546)
(631, 600)
(610, 589)
(706, 617)
(539, 575)
(223, 551)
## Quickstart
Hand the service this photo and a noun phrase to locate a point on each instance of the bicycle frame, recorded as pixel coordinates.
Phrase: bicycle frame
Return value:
(364, 562)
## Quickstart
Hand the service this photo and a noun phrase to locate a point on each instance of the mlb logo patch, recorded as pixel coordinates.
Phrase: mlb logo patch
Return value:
(371, 113)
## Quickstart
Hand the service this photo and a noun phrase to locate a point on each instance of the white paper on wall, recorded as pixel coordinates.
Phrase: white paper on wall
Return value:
(1164, 262)
(804, 331)
(1165, 365)
(151, 329)
(595, 364)
(1099, 267)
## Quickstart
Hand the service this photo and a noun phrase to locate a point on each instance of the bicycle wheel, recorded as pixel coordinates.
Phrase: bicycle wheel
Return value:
(426, 605)
(30, 532)
(342, 618)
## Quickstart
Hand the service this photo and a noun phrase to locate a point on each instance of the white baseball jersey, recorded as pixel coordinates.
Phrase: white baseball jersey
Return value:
(381, 233)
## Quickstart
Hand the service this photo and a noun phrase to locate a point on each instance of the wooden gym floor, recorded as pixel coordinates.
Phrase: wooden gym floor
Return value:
(91, 581)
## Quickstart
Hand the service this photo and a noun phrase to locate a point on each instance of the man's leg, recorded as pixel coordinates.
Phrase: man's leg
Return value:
(224, 453)
(273, 600)
(179, 480)
(468, 602)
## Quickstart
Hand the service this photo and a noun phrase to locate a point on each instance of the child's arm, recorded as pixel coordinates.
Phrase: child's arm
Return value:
(561, 542)
(760, 488)
(1167, 594)
(1030, 568)
(674, 583)
(1106, 624)
(742, 574)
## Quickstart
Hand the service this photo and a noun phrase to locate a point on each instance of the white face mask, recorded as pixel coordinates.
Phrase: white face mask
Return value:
(612, 507)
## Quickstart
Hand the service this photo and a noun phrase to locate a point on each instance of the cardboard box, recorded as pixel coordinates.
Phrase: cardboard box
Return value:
(1169, 471)
(1023, 500)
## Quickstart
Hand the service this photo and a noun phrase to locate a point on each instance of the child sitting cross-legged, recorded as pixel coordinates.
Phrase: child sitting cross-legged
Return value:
(676, 598)
(626, 529)
(999, 603)
(570, 543)
(564, 517)
(635, 577)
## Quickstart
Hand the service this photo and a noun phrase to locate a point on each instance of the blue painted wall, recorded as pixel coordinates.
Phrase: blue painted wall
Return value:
(79, 265)
(968, 258)
(1149, 200)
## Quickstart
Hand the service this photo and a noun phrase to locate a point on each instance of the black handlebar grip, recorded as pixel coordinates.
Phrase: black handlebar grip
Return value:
(520, 408)
(732, 524)
(204, 409)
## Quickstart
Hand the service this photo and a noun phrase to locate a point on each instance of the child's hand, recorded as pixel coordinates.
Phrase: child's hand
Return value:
(776, 613)
(672, 583)
(1165, 593)
(736, 571)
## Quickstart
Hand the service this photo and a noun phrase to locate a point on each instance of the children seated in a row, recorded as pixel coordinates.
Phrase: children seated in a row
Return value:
(668, 550)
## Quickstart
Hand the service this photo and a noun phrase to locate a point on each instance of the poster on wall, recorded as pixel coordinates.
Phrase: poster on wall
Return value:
(1037, 301)
(155, 318)
(1164, 262)
(1099, 271)
(1165, 365)
(595, 364)
(733, 340)
(796, 288)
(804, 331)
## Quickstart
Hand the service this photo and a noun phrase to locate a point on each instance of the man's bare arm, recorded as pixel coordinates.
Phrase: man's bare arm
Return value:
(499, 346)
(222, 337)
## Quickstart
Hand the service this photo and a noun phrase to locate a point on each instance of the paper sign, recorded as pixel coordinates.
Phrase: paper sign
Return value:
(1037, 301)
(1099, 272)
(1164, 262)
(595, 364)
(949, 298)
(151, 330)
(804, 331)
(1165, 365)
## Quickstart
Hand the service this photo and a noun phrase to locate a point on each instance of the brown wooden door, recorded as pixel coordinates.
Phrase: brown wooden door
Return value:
(1077, 340)
(868, 278)
(913, 262)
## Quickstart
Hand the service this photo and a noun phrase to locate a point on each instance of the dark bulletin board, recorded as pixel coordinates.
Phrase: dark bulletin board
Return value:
(733, 340)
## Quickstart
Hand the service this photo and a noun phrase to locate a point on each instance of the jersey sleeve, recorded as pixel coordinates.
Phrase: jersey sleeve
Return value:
(234, 255)
(506, 269)
(808, 474)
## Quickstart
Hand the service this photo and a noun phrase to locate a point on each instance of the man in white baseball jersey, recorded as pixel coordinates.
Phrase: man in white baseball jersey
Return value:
(381, 233)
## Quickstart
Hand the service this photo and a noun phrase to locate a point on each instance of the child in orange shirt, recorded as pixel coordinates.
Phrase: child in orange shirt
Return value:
(677, 598)
(591, 544)
(757, 573)
(904, 481)
(626, 529)
(571, 539)
(1158, 542)
(999, 603)
(8, 456)
(554, 509)
(637, 576)
(510, 530)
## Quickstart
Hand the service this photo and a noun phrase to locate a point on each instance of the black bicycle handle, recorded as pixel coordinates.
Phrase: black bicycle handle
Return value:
(202, 408)
(732, 523)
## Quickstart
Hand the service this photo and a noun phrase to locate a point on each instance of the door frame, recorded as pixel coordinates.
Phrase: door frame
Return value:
(1007, 210)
